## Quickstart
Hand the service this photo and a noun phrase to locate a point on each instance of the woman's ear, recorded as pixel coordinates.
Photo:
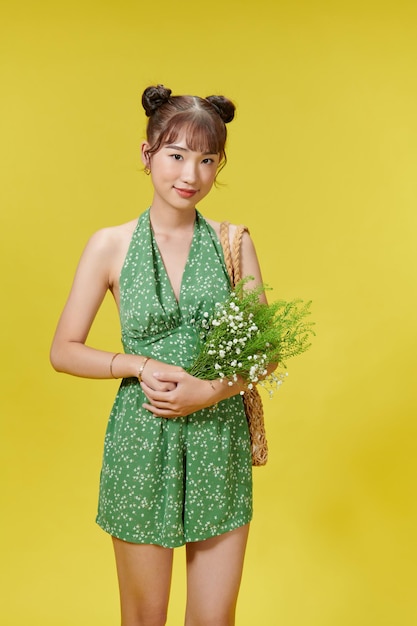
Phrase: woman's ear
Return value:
(144, 153)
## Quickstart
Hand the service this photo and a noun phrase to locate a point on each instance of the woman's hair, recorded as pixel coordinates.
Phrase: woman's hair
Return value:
(202, 119)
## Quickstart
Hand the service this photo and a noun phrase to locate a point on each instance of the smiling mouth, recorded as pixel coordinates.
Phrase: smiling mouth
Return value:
(185, 193)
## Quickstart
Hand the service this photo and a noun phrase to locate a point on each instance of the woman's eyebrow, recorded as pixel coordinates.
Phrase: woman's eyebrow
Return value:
(175, 147)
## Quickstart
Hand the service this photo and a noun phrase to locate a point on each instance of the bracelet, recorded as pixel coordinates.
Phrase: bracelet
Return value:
(213, 406)
(111, 364)
(142, 367)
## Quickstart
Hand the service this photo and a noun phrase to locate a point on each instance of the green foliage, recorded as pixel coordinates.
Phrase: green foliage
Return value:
(244, 336)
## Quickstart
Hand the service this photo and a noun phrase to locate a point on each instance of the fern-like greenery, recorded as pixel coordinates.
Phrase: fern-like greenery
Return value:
(244, 335)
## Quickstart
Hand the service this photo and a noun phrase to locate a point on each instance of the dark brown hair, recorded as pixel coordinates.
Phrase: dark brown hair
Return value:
(202, 119)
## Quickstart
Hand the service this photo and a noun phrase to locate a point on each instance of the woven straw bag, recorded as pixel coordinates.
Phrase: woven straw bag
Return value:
(251, 398)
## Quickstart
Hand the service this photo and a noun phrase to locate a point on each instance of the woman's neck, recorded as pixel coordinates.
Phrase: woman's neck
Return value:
(168, 219)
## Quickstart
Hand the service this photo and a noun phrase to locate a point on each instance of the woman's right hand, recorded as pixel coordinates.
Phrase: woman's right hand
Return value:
(131, 365)
(151, 366)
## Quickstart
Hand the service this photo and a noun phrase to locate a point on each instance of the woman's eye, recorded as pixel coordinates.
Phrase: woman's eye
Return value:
(176, 157)
(208, 160)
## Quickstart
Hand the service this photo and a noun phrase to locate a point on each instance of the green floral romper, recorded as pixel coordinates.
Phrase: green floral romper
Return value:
(171, 481)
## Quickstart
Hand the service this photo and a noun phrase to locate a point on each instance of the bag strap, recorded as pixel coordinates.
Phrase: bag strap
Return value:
(232, 254)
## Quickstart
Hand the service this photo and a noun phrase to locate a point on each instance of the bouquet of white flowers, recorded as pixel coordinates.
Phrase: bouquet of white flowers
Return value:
(244, 336)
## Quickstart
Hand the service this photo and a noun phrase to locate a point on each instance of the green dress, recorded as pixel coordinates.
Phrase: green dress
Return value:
(171, 481)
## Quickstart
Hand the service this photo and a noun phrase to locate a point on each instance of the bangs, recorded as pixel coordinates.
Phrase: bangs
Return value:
(201, 132)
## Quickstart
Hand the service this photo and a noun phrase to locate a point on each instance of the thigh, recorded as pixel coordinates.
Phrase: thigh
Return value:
(144, 573)
(214, 572)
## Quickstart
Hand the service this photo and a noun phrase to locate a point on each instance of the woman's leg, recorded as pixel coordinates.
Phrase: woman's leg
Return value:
(144, 573)
(214, 571)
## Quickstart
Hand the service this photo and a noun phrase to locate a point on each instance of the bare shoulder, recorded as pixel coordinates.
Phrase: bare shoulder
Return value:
(106, 250)
(112, 238)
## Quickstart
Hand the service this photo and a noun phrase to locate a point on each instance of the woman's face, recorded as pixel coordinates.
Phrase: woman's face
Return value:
(181, 177)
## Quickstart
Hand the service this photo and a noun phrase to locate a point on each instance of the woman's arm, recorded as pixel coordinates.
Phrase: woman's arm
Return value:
(250, 267)
(92, 279)
(98, 269)
(249, 262)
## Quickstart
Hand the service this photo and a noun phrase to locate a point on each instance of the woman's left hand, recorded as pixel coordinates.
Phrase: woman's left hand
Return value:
(190, 394)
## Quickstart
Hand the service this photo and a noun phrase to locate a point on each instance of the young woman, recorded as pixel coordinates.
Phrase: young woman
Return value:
(177, 462)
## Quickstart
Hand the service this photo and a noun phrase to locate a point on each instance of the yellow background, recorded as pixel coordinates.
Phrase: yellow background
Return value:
(322, 168)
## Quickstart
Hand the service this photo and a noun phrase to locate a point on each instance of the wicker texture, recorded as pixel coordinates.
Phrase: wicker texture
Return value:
(251, 398)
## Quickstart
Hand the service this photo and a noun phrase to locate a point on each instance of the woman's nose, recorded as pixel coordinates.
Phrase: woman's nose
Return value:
(189, 173)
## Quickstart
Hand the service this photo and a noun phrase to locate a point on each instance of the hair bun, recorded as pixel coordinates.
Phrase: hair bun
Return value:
(224, 107)
(154, 97)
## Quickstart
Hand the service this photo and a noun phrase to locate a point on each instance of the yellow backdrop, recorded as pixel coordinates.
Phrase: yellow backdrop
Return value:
(322, 162)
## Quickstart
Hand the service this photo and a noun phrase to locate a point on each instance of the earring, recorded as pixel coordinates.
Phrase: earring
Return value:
(147, 171)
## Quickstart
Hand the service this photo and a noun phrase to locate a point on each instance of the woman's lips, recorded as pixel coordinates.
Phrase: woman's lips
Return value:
(185, 193)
